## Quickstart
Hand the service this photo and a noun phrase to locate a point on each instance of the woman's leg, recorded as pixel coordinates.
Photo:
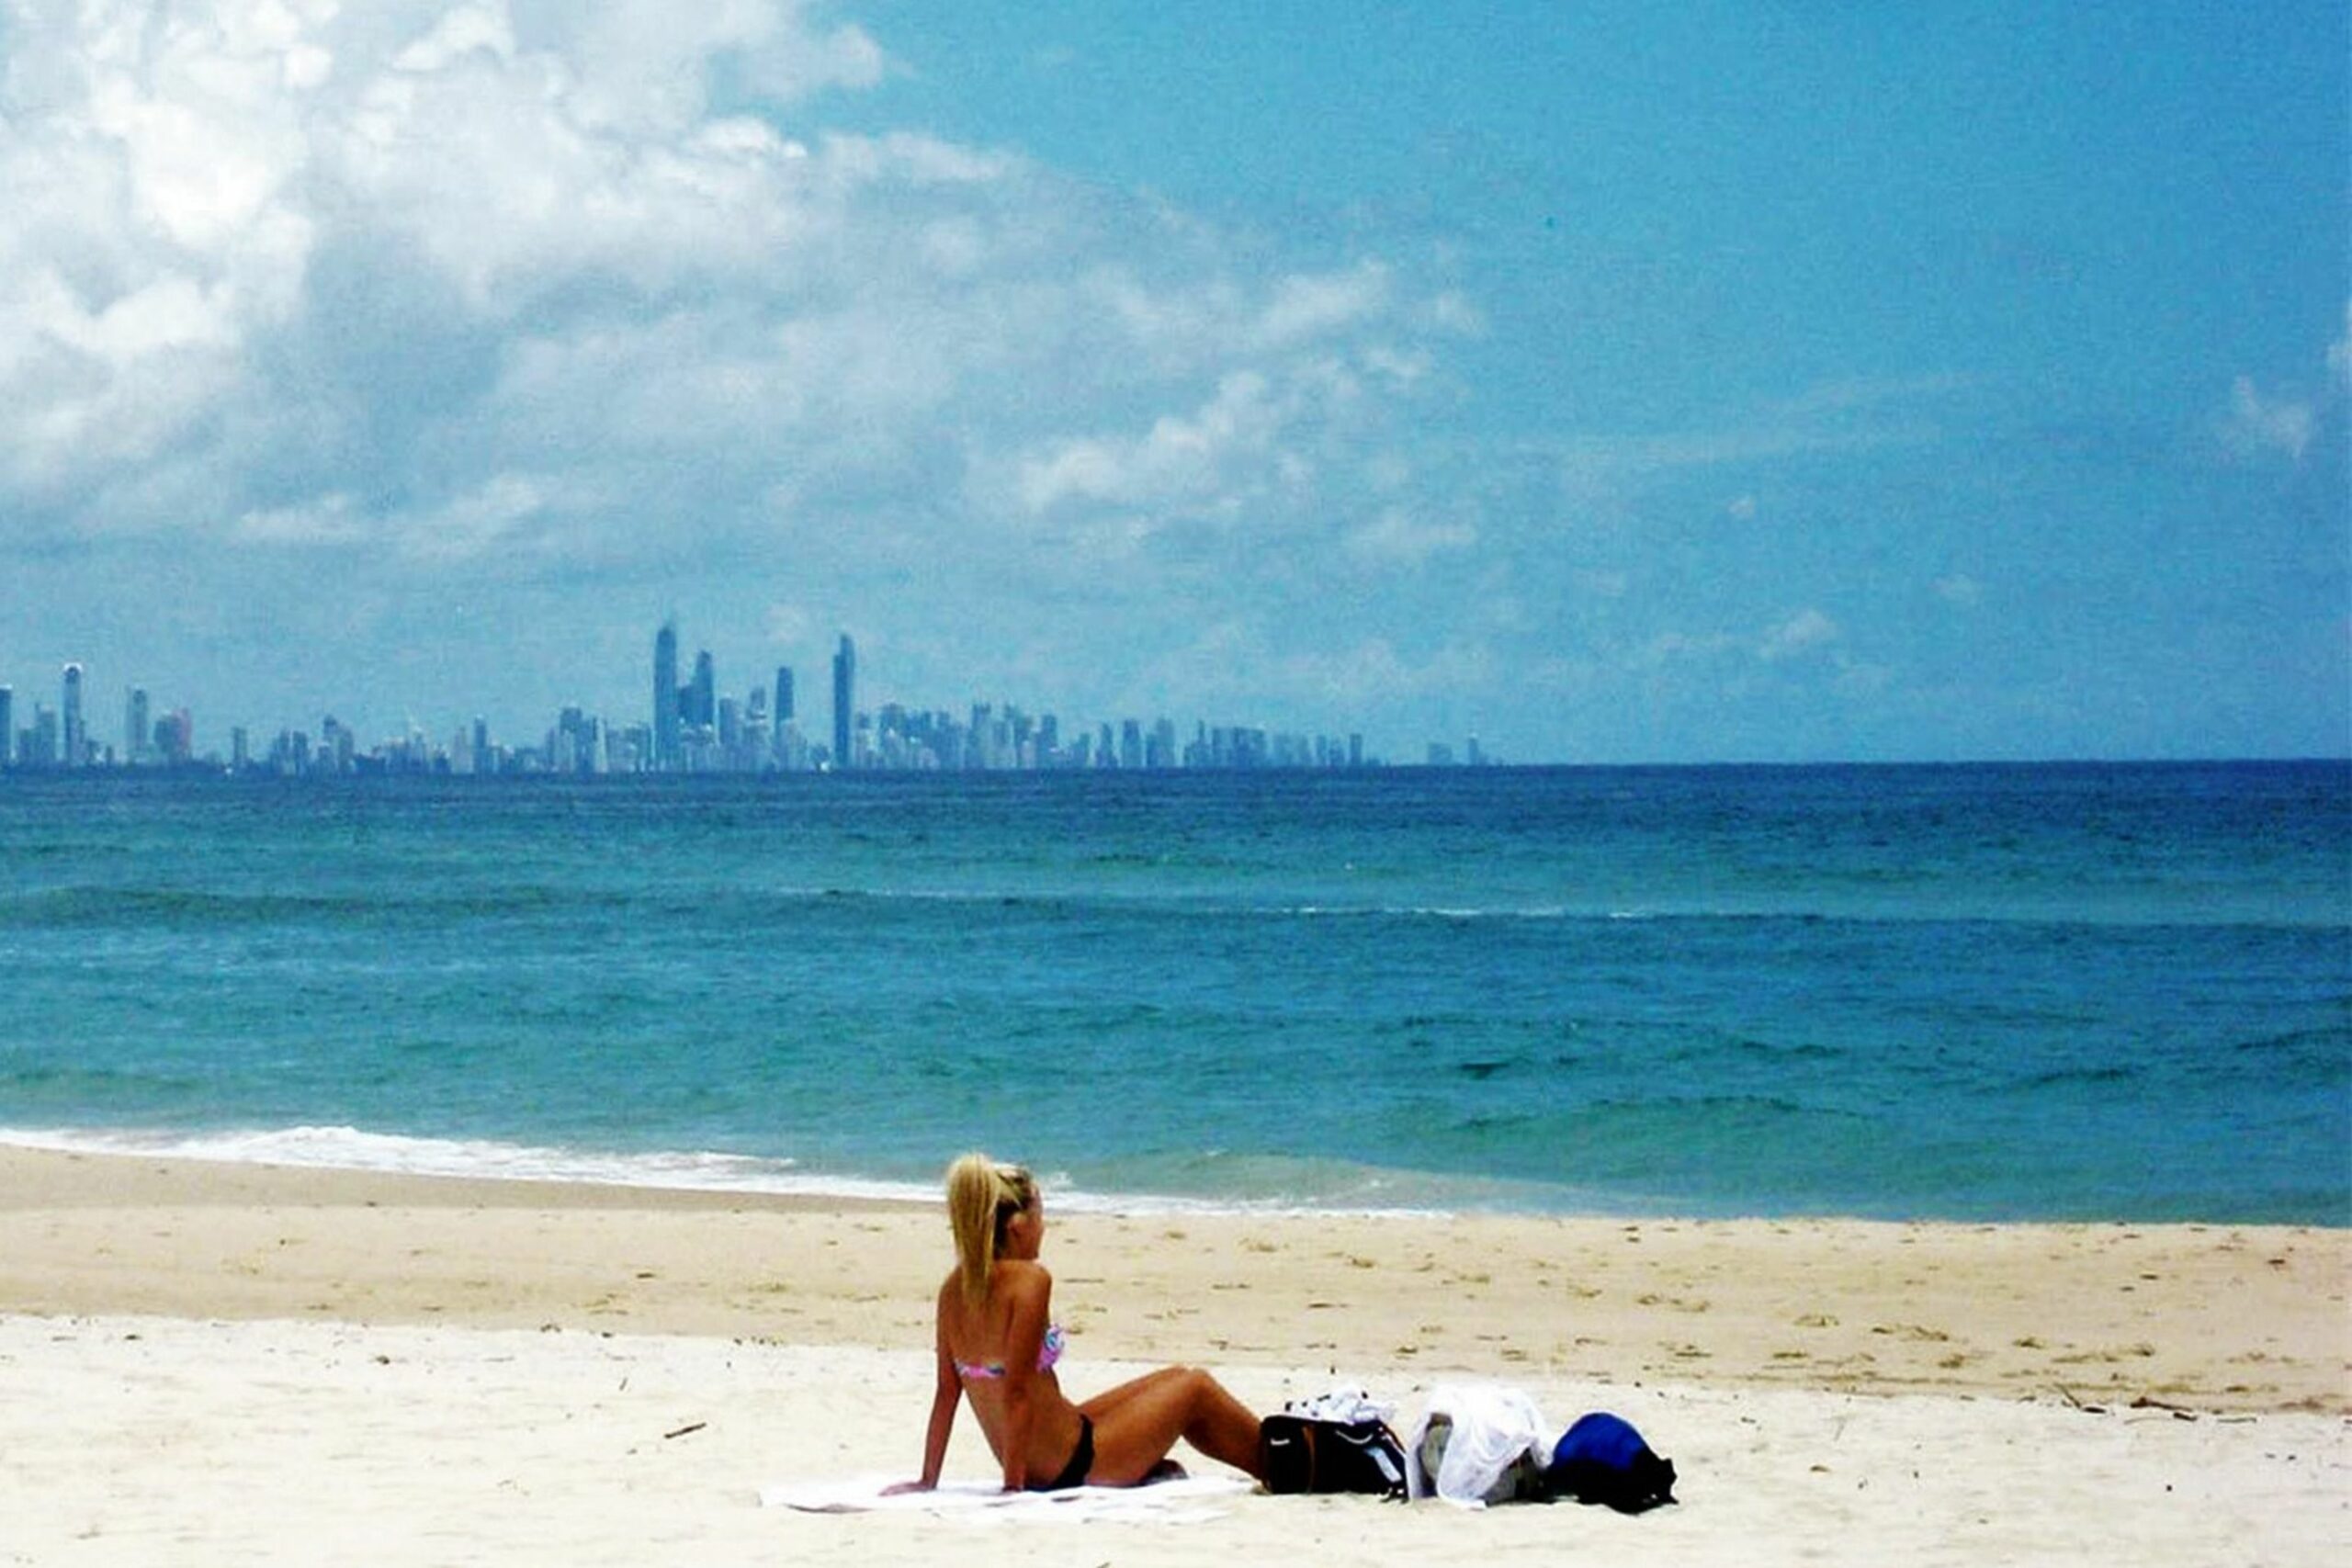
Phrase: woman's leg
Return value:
(1111, 1398)
(1136, 1423)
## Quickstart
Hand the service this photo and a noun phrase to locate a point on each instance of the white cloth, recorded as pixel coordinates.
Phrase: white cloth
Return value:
(1180, 1501)
(1343, 1406)
(1487, 1428)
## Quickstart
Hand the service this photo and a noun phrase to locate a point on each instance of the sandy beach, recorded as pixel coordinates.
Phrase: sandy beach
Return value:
(214, 1363)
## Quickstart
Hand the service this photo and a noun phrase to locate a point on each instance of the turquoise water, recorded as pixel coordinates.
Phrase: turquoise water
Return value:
(1999, 992)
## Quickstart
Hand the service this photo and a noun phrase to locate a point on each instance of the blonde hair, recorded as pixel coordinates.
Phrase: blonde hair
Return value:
(981, 1196)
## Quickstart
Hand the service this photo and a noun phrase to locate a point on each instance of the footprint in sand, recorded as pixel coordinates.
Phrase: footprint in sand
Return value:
(1674, 1303)
(2109, 1354)
(1912, 1331)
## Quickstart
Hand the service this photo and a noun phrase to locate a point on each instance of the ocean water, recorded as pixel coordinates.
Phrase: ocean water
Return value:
(2065, 991)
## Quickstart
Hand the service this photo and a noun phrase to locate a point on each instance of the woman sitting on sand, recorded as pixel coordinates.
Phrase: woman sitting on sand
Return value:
(998, 1343)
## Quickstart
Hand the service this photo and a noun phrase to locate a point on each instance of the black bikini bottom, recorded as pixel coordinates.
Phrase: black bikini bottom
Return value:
(1081, 1459)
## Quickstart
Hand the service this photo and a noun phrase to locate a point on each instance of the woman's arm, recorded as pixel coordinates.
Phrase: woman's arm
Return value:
(947, 1393)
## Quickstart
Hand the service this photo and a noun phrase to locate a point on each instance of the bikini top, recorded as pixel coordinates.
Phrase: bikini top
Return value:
(1049, 1350)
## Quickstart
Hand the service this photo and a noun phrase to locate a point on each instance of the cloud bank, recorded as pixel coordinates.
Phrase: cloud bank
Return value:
(527, 283)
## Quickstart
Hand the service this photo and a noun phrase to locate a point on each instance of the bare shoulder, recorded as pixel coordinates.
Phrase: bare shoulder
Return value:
(956, 1315)
(1024, 1278)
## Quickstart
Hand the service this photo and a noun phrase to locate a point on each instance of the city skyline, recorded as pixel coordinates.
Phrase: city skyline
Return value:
(1737, 381)
(689, 725)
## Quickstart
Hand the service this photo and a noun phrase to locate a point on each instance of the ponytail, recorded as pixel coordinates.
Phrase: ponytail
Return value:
(981, 1196)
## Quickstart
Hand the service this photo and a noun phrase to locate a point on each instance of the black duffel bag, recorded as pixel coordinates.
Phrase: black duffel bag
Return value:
(1299, 1453)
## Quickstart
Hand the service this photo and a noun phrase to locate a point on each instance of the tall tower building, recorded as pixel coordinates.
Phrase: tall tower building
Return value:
(665, 698)
(702, 706)
(75, 740)
(783, 697)
(7, 724)
(136, 732)
(845, 700)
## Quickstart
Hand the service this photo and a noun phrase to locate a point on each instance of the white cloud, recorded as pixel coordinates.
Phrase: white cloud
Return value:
(1396, 538)
(1311, 305)
(1372, 672)
(1180, 461)
(790, 626)
(1837, 417)
(2256, 425)
(329, 520)
(2339, 352)
(643, 65)
(1672, 648)
(1959, 588)
(1239, 672)
(1398, 369)
(1802, 633)
(147, 167)
(602, 266)
(802, 60)
(453, 37)
(470, 525)
(1452, 312)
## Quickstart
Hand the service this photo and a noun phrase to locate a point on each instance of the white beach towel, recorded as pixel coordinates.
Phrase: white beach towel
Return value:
(1182, 1501)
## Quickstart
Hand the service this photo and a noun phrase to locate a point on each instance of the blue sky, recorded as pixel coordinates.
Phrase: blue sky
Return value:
(1787, 379)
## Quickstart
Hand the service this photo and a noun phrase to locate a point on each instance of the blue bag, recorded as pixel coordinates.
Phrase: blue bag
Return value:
(1602, 1460)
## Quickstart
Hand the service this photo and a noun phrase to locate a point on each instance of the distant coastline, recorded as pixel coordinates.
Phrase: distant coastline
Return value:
(693, 727)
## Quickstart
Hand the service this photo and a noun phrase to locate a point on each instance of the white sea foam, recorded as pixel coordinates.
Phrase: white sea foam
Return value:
(1358, 1192)
(349, 1148)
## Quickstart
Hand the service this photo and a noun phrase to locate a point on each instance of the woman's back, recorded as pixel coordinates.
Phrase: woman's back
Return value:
(984, 1337)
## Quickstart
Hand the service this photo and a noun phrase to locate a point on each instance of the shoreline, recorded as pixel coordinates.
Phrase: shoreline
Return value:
(719, 1178)
(2213, 1318)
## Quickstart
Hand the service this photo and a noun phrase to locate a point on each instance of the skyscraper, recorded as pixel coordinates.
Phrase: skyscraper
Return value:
(665, 698)
(74, 739)
(7, 724)
(845, 700)
(136, 733)
(702, 705)
(783, 697)
(174, 738)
